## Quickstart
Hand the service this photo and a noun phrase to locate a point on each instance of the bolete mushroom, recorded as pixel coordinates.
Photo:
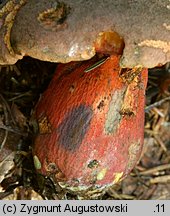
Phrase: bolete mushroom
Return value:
(91, 117)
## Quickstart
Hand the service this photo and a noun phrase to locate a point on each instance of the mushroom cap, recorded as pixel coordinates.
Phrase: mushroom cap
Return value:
(66, 31)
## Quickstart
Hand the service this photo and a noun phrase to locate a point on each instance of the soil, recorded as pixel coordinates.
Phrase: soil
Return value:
(20, 88)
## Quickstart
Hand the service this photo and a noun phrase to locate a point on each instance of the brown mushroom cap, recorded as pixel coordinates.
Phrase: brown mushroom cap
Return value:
(66, 31)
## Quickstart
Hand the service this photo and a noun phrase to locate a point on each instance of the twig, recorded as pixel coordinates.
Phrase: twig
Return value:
(4, 140)
(160, 179)
(5, 194)
(155, 169)
(127, 197)
(147, 193)
(114, 194)
(158, 112)
(6, 111)
(16, 131)
(21, 95)
(160, 142)
(4, 105)
(156, 104)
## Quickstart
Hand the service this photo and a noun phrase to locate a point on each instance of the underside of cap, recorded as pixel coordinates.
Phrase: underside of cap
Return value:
(66, 31)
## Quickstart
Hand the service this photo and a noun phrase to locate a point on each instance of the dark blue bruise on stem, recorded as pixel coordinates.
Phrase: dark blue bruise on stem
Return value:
(74, 127)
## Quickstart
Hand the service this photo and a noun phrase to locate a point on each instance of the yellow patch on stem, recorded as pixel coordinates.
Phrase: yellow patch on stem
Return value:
(117, 177)
(101, 174)
(37, 162)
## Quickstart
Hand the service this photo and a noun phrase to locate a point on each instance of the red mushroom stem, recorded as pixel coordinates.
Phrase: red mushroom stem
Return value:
(91, 125)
